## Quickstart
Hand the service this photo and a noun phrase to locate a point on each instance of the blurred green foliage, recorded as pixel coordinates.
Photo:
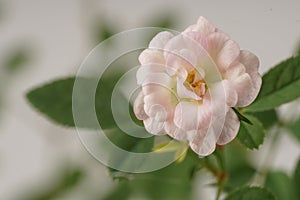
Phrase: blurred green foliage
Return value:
(174, 182)
(238, 166)
(102, 31)
(250, 193)
(17, 59)
(65, 182)
(281, 185)
(296, 179)
(295, 129)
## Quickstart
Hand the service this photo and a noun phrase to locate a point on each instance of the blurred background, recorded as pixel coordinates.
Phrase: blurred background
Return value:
(43, 40)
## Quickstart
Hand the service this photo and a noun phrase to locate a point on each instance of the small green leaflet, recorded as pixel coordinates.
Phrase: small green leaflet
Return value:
(251, 135)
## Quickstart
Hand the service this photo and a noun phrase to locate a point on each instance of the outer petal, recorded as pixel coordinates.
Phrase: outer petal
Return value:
(138, 107)
(147, 70)
(154, 127)
(201, 39)
(159, 100)
(230, 129)
(204, 143)
(154, 54)
(160, 40)
(151, 56)
(175, 132)
(158, 105)
(251, 63)
(245, 90)
(203, 26)
(155, 81)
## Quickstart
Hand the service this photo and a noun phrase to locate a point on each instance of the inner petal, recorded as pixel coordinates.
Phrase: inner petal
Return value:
(195, 83)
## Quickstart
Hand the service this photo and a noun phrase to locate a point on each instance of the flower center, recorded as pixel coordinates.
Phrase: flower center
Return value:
(195, 83)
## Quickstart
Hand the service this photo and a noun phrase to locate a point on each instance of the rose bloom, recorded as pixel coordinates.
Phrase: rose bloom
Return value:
(190, 83)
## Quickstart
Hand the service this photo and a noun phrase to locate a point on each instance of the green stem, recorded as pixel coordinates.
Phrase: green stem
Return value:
(222, 174)
(220, 188)
(218, 172)
(205, 163)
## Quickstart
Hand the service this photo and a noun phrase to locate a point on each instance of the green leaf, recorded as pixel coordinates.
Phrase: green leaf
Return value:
(54, 100)
(296, 179)
(250, 193)
(251, 135)
(295, 129)
(172, 182)
(280, 85)
(281, 185)
(267, 118)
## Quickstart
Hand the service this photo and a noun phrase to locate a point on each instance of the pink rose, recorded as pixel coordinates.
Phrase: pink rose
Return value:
(191, 81)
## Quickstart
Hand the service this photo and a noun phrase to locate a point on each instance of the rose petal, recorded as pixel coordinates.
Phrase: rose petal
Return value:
(251, 63)
(183, 92)
(158, 101)
(157, 79)
(235, 70)
(148, 70)
(183, 52)
(154, 127)
(203, 143)
(245, 90)
(151, 56)
(138, 107)
(203, 26)
(223, 50)
(175, 132)
(230, 93)
(191, 116)
(230, 129)
(160, 40)
(176, 61)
